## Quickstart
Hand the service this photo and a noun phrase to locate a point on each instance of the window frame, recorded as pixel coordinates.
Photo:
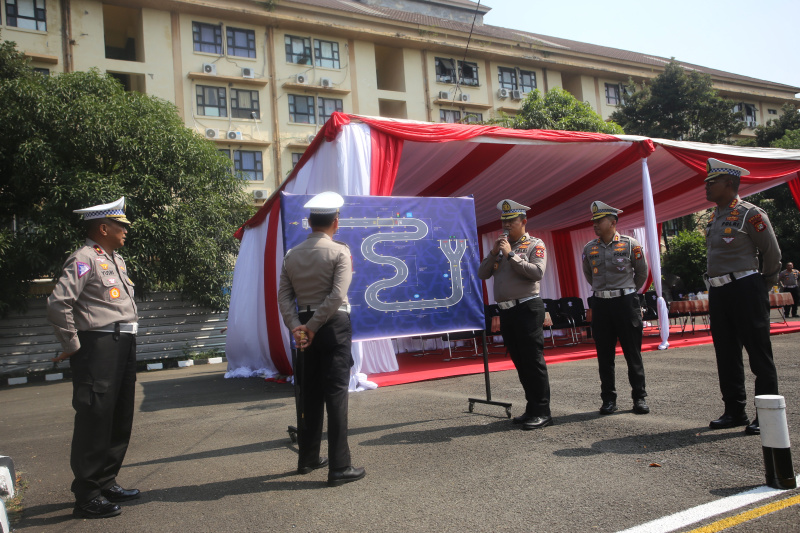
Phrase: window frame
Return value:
(312, 107)
(39, 18)
(288, 41)
(321, 101)
(616, 97)
(443, 71)
(527, 87)
(258, 165)
(443, 114)
(471, 117)
(230, 41)
(200, 98)
(296, 160)
(335, 60)
(472, 81)
(512, 85)
(244, 112)
(197, 35)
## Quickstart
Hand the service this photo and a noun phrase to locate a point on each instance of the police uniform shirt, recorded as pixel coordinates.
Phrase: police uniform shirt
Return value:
(788, 278)
(735, 234)
(620, 264)
(316, 274)
(94, 290)
(516, 276)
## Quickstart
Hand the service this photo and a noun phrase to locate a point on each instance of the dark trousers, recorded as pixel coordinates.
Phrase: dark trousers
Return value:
(618, 319)
(739, 314)
(795, 292)
(103, 386)
(325, 380)
(521, 328)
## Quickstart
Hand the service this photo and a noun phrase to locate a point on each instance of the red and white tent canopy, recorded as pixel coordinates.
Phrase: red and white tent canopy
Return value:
(557, 173)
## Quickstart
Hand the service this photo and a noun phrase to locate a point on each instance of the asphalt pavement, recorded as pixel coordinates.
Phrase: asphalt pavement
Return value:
(212, 454)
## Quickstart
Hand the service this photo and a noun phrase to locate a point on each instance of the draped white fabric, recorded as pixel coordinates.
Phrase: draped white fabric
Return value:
(653, 251)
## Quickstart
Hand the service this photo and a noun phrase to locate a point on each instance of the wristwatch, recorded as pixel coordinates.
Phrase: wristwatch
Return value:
(510, 254)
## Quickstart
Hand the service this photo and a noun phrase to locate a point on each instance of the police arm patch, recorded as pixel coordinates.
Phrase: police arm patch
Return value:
(757, 222)
(83, 269)
(539, 251)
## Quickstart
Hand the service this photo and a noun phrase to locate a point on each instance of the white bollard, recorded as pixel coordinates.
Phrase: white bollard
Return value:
(771, 412)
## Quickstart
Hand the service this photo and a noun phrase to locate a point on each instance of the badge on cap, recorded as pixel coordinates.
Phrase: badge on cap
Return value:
(510, 209)
(715, 167)
(325, 203)
(114, 211)
(601, 209)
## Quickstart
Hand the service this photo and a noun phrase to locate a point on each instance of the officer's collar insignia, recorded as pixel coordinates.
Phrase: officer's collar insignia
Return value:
(734, 202)
(83, 269)
(98, 249)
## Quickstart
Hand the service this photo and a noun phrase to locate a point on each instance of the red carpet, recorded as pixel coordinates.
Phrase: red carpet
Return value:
(431, 366)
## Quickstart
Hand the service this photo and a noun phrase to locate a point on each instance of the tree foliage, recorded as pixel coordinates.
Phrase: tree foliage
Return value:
(559, 110)
(686, 259)
(78, 139)
(678, 105)
(773, 130)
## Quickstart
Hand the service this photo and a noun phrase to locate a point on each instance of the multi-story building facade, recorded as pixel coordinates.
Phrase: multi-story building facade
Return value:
(258, 78)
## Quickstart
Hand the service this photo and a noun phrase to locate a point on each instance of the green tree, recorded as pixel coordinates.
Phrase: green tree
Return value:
(559, 110)
(678, 105)
(686, 259)
(775, 129)
(79, 139)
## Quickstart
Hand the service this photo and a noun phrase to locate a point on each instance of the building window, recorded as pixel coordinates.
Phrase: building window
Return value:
(772, 111)
(42, 71)
(748, 113)
(527, 80)
(241, 43)
(296, 158)
(244, 104)
(449, 116)
(469, 73)
(327, 106)
(207, 38)
(472, 118)
(28, 14)
(225, 151)
(298, 50)
(507, 78)
(445, 70)
(211, 101)
(249, 164)
(301, 109)
(326, 54)
(612, 94)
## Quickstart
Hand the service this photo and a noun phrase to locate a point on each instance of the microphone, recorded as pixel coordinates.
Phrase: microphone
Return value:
(500, 253)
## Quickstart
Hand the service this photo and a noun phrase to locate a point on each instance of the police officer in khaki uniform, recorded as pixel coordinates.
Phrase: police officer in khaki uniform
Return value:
(95, 320)
(615, 267)
(788, 281)
(313, 301)
(517, 262)
(736, 234)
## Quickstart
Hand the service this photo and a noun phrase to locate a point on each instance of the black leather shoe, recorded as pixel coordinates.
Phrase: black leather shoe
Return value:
(118, 494)
(340, 477)
(640, 407)
(753, 428)
(521, 419)
(608, 407)
(538, 422)
(96, 508)
(321, 463)
(729, 421)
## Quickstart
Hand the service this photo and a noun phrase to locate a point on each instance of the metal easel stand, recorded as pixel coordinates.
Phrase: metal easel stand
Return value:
(488, 400)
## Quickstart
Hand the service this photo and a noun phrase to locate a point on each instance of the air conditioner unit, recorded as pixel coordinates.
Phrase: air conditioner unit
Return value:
(516, 94)
(212, 133)
(248, 72)
(310, 138)
(261, 194)
(235, 135)
(444, 95)
(301, 79)
(464, 97)
(502, 92)
(210, 68)
(326, 82)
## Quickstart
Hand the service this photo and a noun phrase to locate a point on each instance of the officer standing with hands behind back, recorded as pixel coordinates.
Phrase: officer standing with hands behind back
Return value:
(313, 302)
(615, 267)
(738, 298)
(95, 320)
(517, 262)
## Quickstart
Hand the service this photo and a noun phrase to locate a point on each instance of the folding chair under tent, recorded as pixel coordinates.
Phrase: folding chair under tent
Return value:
(557, 173)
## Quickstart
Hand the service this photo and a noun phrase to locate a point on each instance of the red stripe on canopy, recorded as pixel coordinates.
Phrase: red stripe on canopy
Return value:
(760, 168)
(794, 188)
(274, 320)
(476, 161)
(384, 161)
(567, 275)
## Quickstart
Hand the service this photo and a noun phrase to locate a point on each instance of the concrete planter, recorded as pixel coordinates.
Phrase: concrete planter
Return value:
(214, 360)
(183, 364)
